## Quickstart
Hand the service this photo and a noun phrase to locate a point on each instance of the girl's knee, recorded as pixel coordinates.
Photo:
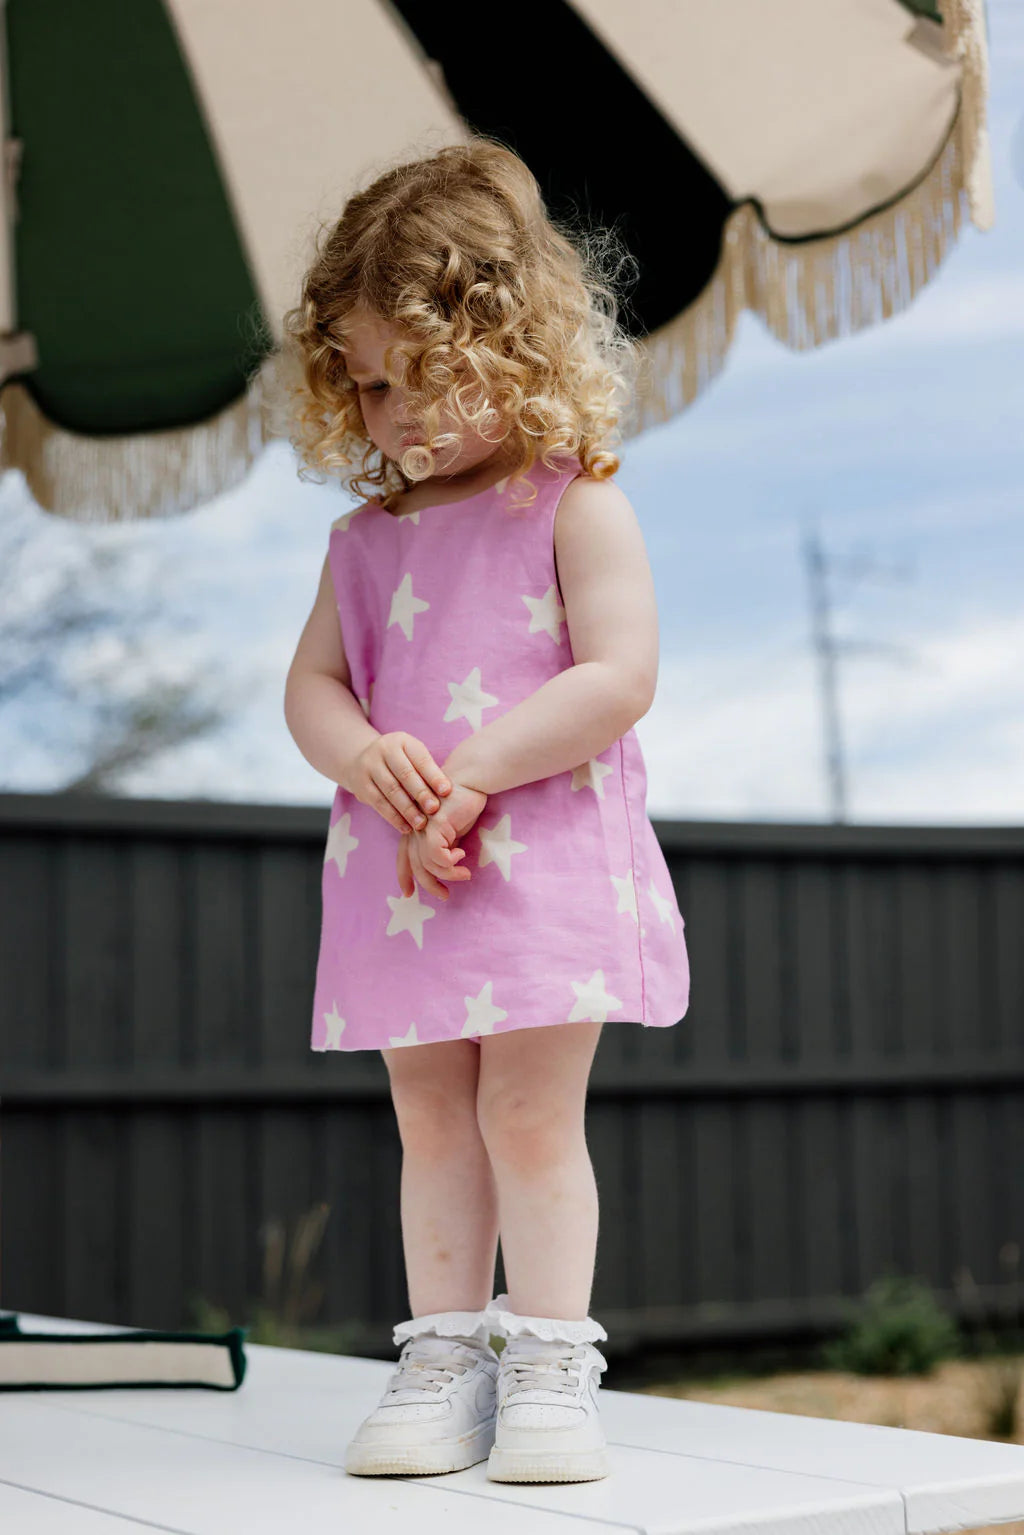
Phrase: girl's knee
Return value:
(434, 1096)
(529, 1130)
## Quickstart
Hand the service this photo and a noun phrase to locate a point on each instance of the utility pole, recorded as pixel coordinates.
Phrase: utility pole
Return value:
(828, 648)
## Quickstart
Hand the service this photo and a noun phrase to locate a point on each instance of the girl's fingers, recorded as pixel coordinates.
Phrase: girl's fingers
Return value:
(445, 870)
(406, 883)
(431, 883)
(405, 807)
(414, 782)
(424, 876)
(433, 778)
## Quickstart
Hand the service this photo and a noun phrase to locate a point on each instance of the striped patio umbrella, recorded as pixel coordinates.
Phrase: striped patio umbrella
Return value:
(166, 164)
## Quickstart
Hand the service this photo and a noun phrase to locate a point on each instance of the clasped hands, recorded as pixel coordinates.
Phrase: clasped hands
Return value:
(397, 776)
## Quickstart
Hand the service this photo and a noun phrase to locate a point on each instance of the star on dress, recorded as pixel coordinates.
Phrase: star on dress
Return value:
(341, 524)
(335, 1028)
(408, 915)
(408, 1038)
(404, 606)
(481, 1013)
(663, 906)
(340, 842)
(546, 613)
(593, 1002)
(589, 775)
(497, 846)
(468, 700)
(625, 889)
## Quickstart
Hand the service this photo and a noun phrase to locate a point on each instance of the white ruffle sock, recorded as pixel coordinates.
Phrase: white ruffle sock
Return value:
(467, 1326)
(550, 1329)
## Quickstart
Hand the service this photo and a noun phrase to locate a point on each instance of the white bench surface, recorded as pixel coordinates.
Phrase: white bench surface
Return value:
(267, 1459)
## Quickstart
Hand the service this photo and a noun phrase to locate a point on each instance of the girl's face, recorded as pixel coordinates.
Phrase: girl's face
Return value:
(383, 405)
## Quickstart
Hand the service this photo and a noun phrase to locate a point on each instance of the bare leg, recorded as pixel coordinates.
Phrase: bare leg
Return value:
(530, 1107)
(448, 1198)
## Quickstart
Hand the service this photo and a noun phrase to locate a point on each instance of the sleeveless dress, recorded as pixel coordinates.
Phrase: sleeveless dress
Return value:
(450, 616)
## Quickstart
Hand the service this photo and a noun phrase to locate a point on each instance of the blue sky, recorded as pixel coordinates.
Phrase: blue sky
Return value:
(904, 445)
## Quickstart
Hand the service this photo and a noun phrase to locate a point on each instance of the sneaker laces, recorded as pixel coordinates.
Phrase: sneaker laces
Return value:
(428, 1363)
(546, 1367)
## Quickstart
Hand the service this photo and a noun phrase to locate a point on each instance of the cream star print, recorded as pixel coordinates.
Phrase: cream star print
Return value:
(546, 613)
(343, 523)
(404, 606)
(408, 915)
(340, 842)
(625, 889)
(497, 846)
(408, 1038)
(593, 1002)
(481, 1013)
(662, 906)
(335, 1028)
(589, 775)
(469, 700)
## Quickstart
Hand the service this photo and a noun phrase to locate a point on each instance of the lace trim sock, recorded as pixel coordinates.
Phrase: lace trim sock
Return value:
(551, 1329)
(470, 1326)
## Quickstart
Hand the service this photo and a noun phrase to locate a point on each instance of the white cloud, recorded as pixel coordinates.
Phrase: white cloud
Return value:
(737, 735)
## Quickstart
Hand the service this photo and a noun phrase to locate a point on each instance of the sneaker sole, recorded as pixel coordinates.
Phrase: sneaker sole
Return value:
(420, 1459)
(555, 1466)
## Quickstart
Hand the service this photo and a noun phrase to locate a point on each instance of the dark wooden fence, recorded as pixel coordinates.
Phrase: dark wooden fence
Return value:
(845, 1095)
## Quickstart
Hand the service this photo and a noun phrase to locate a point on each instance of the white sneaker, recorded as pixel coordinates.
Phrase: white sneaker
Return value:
(438, 1411)
(548, 1428)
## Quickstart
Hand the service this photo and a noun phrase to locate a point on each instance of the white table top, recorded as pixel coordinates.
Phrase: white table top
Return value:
(268, 1458)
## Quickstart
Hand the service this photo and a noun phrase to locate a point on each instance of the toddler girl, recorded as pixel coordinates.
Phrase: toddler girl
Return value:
(483, 640)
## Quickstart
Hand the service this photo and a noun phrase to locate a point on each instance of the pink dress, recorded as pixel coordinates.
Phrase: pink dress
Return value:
(449, 617)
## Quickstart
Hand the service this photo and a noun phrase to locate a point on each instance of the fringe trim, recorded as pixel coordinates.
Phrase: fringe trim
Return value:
(963, 38)
(142, 474)
(814, 291)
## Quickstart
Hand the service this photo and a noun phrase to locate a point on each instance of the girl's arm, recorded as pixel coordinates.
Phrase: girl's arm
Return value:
(389, 772)
(611, 614)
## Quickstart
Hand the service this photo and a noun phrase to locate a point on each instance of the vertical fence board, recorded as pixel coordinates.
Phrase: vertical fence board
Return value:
(154, 1261)
(715, 1200)
(813, 962)
(767, 1182)
(156, 917)
(92, 1248)
(663, 1186)
(26, 914)
(820, 1257)
(608, 1131)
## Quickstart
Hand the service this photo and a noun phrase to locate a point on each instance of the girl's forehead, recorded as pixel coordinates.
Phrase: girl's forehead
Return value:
(365, 341)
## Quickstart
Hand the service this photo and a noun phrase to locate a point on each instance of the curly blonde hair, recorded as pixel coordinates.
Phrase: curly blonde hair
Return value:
(497, 302)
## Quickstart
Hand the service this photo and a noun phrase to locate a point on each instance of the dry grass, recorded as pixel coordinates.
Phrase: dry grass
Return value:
(958, 1398)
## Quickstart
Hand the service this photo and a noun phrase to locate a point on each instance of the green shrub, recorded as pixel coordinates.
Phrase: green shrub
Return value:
(899, 1328)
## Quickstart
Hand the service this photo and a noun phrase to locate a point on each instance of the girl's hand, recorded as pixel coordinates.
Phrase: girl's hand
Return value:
(430, 855)
(396, 776)
(413, 870)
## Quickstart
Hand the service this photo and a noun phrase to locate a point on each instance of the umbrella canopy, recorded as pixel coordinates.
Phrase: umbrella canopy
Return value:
(168, 162)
